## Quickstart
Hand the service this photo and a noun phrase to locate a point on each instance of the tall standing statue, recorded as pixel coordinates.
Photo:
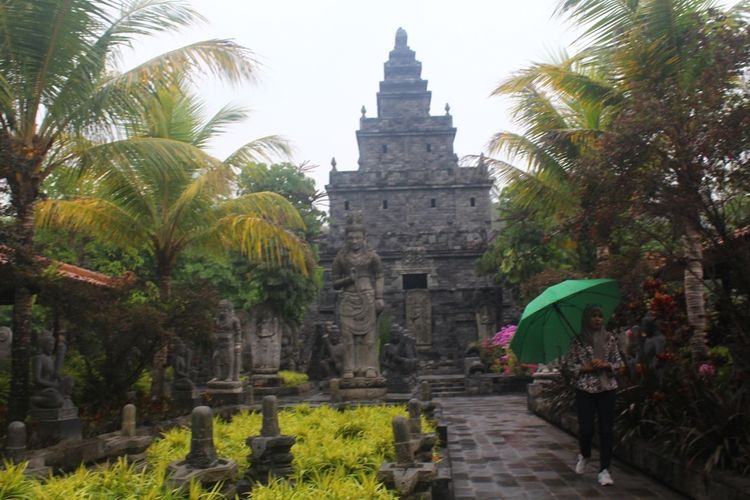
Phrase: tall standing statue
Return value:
(227, 353)
(358, 276)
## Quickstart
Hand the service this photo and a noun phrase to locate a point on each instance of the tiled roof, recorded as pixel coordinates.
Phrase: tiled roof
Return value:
(72, 272)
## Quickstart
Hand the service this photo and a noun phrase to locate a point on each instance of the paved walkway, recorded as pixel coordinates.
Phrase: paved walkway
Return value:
(499, 449)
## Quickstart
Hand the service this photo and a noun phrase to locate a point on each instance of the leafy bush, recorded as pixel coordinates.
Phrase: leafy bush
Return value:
(696, 413)
(336, 456)
(292, 379)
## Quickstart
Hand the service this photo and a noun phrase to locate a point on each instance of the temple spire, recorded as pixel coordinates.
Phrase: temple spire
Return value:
(401, 39)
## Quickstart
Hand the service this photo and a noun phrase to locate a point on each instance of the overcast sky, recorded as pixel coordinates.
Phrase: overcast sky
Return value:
(323, 59)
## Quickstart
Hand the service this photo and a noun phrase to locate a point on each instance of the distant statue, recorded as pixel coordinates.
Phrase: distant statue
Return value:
(181, 367)
(654, 345)
(226, 357)
(51, 388)
(265, 341)
(399, 355)
(358, 275)
(332, 361)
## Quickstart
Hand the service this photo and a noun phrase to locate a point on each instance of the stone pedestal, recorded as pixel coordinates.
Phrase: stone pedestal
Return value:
(226, 393)
(400, 383)
(50, 426)
(266, 384)
(411, 479)
(202, 464)
(362, 389)
(271, 455)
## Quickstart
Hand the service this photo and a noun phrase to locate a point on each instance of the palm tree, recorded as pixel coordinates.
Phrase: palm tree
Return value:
(677, 69)
(59, 87)
(172, 207)
(563, 107)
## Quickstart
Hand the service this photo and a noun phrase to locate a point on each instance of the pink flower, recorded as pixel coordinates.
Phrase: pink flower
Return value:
(504, 336)
(706, 370)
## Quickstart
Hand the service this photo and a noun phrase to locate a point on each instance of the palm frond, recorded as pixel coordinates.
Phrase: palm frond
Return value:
(272, 207)
(263, 241)
(217, 124)
(520, 148)
(264, 148)
(93, 216)
(221, 58)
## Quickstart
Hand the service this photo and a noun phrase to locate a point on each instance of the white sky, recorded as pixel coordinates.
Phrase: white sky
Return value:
(323, 60)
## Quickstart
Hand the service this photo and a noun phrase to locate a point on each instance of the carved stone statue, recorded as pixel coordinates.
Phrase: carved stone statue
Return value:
(265, 342)
(419, 316)
(181, 367)
(399, 360)
(400, 353)
(358, 276)
(228, 350)
(332, 360)
(486, 320)
(51, 388)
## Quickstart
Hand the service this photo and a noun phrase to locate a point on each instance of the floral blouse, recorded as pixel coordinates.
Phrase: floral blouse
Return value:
(580, 354)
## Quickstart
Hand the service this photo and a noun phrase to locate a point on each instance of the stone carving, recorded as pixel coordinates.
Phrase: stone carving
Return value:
(265, 342)
(410, 478)
(15, 441)
(290, 348)
(6, 342)
(332, 360)
(424, 396)
(53, 413)
(181, 367)
(486, 318)
(423, 443)
(228, 351)
(419, 317)
(201, 464)
(415, 257)
(358, 276)
(51, 388)
(398, 360)
(271, 455)
(128, 421)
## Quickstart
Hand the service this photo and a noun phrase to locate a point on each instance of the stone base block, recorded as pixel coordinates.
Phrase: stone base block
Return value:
(259, 380)
(362, 388)
(398, 383)
(363, 394)
(227, 397)
(48, 432)
(224, 385)
(181, 473)
(298, 390)
(412, 481)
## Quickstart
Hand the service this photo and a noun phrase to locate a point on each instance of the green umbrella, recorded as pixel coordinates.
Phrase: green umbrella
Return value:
(552, 319)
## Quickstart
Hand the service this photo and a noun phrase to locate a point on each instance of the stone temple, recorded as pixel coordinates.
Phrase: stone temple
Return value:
(427, 217)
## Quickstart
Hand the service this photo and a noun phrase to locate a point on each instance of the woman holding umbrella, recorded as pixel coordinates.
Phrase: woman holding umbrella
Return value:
(592, 361)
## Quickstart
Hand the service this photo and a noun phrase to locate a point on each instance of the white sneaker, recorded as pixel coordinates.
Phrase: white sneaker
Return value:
(604, 478)
(581, 464)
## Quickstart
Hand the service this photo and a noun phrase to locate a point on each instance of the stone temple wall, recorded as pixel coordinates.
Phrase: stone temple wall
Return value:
(426, 217)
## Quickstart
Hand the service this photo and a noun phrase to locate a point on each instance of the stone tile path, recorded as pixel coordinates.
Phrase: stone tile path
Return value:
(499, 449)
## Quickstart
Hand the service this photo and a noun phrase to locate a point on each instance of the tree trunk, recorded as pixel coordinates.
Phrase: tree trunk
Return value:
(18, 399)
(23, 299)
(695, 292)
(159, 362)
